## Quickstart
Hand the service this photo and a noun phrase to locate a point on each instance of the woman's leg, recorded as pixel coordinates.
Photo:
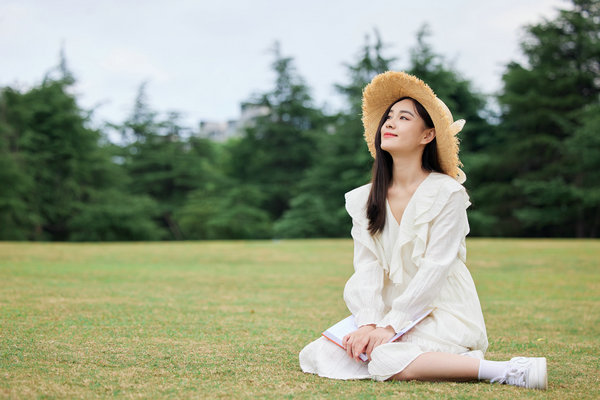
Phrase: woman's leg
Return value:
(440, 367)
(529, 372)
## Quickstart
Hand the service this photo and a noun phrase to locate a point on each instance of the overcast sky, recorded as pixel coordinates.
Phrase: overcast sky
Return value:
(202, 58)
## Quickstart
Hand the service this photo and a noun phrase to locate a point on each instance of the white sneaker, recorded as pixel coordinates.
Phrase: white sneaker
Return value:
(527, 372)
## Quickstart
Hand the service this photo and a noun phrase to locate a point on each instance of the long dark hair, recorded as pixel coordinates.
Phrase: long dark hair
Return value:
(383, 169)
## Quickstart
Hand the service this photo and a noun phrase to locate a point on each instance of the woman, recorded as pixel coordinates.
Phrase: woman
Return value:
(409, 228)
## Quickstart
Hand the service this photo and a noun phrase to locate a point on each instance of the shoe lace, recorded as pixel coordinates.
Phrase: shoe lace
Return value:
(513, 376)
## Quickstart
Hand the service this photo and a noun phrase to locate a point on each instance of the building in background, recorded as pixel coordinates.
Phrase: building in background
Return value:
(221, 131)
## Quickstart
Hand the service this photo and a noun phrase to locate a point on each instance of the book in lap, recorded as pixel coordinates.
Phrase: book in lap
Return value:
(337, 332)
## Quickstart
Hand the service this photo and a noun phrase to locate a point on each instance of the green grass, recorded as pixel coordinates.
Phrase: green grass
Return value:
(227, 319)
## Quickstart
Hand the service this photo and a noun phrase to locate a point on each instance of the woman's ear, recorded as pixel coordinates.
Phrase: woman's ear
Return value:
(428, 136)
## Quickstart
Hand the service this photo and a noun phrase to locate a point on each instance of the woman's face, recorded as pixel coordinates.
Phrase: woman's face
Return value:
(404, 131)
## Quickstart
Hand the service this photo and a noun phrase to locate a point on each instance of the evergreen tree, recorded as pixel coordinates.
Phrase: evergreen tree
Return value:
(274, 152)
(548, 104)
(583, 166)
(53, 148)
(456, 91)
(110, 212)
(343, 161)
(477, 135)
(16, 220)
(223, 208)
(60, 182)
(161, 163)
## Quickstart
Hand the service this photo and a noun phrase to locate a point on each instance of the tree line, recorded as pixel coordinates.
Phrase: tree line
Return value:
(531, 153)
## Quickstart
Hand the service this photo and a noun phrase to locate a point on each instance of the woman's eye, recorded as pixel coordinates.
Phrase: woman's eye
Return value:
(403, 117)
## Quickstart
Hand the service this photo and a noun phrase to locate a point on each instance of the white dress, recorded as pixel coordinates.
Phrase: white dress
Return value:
(411, 266)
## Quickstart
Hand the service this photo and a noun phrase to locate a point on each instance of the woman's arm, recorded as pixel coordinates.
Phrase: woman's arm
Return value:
(446, 234)
(363, 291)
(363, 296)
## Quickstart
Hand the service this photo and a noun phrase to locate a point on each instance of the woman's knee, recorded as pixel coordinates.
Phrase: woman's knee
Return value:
(404, 375)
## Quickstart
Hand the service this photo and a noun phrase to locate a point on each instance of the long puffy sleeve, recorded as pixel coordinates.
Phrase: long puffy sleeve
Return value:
(363, 291)
(444, 245)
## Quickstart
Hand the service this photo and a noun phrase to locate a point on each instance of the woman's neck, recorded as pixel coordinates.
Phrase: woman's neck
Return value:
(407, 172)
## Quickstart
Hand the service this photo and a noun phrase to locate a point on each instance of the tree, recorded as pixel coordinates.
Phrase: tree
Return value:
(583, 164)
(224, 208)
(16, 221)
(456, 91)
(276, 149)
(110, 211)
(60, 181)
(477, 135)
(53, 148)
(161, 163)
(225, 212)
(343, 161)
(546, 110)
(115, 215)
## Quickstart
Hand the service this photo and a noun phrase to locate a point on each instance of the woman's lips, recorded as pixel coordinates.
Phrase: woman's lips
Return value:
(389, 134)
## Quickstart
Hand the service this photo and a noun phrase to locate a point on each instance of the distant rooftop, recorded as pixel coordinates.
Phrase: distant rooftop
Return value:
(221, 131)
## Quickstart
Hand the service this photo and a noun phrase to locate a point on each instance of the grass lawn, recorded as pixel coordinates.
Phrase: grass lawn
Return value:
(227, 319)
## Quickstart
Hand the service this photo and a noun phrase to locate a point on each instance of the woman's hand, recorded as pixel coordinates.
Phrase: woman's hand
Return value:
(356, 342)
(377, 337)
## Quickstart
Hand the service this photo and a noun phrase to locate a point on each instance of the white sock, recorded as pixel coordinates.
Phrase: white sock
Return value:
(489, 370)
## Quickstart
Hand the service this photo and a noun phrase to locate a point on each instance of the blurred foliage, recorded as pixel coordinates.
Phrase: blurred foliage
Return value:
(274, 152)
(466, 103)
(549, 111)
(532, 165)
(236, 213)
(342, 161)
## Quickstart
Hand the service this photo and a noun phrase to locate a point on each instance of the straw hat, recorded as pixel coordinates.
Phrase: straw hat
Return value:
(390, 86)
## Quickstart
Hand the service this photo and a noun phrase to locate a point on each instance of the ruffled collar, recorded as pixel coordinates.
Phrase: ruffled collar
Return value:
(425, 204)
(409, 204)
(356, 200)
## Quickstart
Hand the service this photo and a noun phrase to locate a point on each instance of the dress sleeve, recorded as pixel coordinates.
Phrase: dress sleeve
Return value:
(363, 291)
(446, 234)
